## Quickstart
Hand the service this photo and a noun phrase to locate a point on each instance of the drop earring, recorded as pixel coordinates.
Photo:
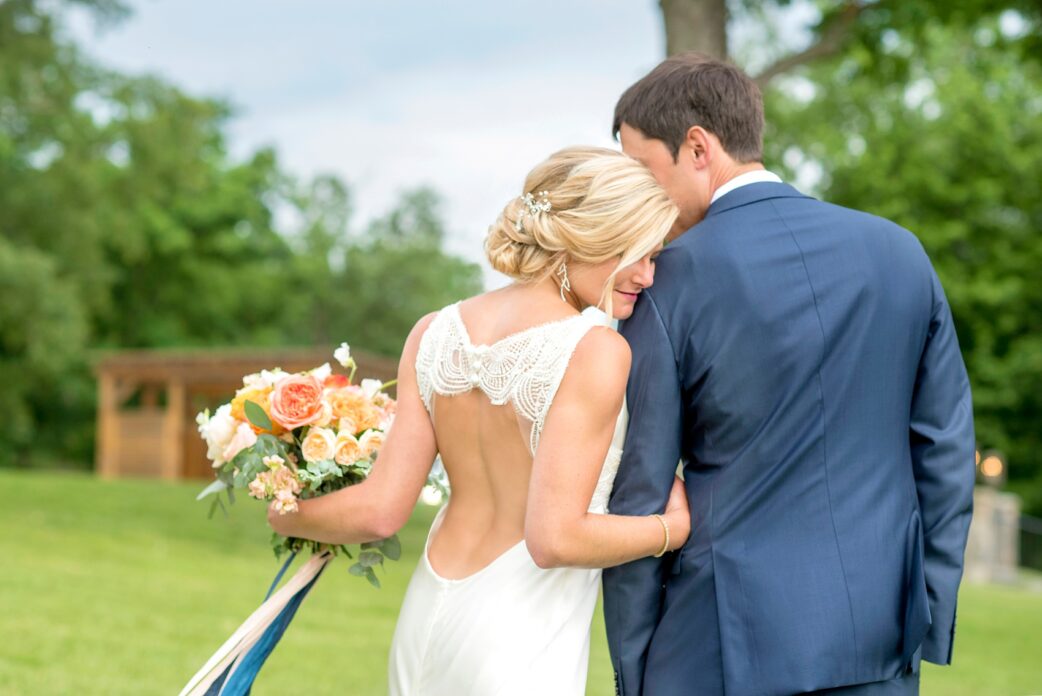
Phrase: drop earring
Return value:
(566, 285)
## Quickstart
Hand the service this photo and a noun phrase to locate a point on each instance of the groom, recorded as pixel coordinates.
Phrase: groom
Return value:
(799, 360)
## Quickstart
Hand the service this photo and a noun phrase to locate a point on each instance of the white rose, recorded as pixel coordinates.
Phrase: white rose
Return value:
(242, 438)
(218, 431)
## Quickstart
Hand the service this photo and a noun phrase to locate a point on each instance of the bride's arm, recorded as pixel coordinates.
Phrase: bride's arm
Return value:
(379, 506)
(574, 443)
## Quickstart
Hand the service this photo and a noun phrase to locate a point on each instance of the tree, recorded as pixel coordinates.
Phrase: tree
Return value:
(124, 222)
(839, 25)
(929, 114)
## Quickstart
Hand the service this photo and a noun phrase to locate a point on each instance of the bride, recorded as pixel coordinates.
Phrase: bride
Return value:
(520, 393)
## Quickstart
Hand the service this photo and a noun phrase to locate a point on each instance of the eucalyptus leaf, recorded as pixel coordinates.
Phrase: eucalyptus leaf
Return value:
(371, 577)
(392, 547)
(370, 558)
(357, 569)
(257, 416)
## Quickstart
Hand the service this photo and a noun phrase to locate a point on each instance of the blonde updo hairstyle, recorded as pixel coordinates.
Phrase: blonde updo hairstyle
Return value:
(603, 205)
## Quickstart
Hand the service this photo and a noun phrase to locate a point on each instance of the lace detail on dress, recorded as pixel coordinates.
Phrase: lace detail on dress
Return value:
(524, 368)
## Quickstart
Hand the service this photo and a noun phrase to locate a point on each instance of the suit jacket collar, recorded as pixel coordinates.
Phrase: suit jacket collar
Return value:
(752, 193)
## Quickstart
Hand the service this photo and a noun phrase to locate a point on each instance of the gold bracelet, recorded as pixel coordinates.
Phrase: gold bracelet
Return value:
(665, 528)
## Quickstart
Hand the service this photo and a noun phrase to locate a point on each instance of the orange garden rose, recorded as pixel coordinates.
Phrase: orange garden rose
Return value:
(351, 405)
(296, 401)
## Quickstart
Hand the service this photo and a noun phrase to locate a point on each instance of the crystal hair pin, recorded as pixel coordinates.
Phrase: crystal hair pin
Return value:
(533, 206)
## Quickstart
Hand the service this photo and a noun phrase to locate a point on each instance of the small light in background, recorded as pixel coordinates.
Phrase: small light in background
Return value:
(992, 468)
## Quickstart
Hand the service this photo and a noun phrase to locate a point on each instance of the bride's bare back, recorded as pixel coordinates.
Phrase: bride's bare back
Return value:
(488, 368)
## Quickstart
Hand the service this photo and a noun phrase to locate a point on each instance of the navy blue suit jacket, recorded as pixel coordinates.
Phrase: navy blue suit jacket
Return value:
(799, 359)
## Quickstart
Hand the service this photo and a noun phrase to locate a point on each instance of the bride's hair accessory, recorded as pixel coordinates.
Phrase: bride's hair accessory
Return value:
(566, 285)
(665, 528)
(533, 206)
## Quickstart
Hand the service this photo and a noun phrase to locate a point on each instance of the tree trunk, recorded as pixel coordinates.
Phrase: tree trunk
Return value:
(695, 25)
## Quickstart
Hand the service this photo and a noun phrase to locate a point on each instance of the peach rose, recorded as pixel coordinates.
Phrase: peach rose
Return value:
(351, 405)
(371, 442)
(319, 444)
(296, 401)
(348, 449)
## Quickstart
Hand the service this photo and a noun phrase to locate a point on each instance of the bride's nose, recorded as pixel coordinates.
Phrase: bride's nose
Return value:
(644, 273)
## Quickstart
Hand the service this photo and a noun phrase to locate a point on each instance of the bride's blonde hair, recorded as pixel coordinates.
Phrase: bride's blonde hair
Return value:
(603, 205)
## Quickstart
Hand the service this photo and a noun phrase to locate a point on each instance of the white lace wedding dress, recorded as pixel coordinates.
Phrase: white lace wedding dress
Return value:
(511, 627)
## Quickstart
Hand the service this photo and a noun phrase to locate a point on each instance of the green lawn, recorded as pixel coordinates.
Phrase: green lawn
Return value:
(126, 588)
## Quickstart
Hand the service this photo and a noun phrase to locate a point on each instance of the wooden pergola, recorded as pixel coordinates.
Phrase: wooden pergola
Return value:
(148, 401)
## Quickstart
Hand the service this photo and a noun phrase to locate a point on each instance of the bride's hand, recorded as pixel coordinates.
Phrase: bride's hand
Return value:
(678, 515)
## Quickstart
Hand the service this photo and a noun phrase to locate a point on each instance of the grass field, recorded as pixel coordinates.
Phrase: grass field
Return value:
(125, 587)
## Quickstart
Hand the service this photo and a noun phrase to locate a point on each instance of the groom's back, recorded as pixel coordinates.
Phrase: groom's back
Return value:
(797, 327)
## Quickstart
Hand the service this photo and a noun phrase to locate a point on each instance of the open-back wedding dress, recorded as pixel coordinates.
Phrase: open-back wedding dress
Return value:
(510, 627)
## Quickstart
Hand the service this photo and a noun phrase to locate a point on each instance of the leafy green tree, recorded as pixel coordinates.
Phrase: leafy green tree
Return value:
(949, 153)
(124, 222)
(929, 113)
(398, 272)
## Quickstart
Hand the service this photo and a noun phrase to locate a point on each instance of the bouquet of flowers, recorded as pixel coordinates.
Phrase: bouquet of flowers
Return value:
(291, 436)
(285, 437)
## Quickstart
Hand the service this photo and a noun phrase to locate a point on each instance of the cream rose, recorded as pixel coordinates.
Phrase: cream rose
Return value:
(371, 442)
(319, 444)
(348, 449)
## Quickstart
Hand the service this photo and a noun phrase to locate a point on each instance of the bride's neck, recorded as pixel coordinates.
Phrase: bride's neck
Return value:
(548, 291)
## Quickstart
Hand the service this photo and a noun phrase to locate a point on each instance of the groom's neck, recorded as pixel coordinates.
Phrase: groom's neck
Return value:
(731, 169)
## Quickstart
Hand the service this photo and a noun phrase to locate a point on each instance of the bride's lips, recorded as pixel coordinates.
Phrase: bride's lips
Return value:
(628, 295)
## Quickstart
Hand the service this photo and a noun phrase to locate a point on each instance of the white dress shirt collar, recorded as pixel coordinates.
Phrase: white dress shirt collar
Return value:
(753, 177)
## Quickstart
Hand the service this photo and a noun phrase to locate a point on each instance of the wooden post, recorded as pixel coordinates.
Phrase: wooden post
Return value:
(107, 436)
(172, 447)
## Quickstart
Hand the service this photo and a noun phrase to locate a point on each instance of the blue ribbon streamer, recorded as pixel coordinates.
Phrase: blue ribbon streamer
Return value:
(247, 666)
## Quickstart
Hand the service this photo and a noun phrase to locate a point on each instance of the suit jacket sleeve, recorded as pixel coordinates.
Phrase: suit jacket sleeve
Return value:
(633, 591)
(942, 442)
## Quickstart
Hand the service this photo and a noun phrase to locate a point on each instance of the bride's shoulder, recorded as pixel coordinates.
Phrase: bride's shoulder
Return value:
(601, 356)
(595, 379)
(412, 343)
(602, 347)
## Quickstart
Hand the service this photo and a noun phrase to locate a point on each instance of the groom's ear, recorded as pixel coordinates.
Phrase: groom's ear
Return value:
(699, 144)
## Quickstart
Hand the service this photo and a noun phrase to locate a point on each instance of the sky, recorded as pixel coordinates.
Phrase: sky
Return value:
(458, 95)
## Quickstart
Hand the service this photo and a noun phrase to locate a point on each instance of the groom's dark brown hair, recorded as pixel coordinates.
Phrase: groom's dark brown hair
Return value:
(693, 89)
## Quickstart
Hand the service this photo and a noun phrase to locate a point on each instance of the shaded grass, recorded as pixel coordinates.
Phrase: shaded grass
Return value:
(124, 587)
